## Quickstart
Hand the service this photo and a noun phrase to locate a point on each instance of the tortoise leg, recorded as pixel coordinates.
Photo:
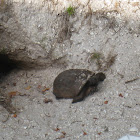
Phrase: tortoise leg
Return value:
(93, 81)
(93, 89)
(84, 92)
(78, 98)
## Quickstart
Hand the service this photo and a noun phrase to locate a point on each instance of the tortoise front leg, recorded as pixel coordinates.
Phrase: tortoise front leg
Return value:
(84, 92)
(78, 98)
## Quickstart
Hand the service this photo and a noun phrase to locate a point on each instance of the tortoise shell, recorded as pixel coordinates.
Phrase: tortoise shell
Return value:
(68, 83)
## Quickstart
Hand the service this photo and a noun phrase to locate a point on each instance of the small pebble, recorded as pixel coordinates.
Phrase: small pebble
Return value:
(133, 129)
(47, 100)
(25, 127)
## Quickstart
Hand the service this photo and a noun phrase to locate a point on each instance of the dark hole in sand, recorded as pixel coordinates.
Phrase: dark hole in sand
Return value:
(6, 65)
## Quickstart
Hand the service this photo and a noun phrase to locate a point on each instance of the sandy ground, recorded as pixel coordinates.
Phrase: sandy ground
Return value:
(109, 114)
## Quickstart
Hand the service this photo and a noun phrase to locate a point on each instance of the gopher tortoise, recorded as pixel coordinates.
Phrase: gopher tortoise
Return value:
(76, 84)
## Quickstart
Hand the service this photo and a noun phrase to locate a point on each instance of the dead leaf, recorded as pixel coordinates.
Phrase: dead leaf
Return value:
(27, 88)
(45, 89)
(39, 86)
(95, 118)
(56, 129)
(120, 95)
(13, 93)
(64, 133)
(84, 133)
(47, 100)
(14, 115)
(14, 84)
(99, 133)
(61, 137)
(105, 102)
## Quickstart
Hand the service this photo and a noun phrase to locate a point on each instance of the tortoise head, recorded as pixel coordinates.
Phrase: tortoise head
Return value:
(100, 76)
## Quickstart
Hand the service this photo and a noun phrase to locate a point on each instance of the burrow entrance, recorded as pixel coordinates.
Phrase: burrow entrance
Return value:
(6, 65)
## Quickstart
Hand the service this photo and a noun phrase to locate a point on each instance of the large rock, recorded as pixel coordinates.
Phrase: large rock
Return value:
(33, 36)
(41, 33)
